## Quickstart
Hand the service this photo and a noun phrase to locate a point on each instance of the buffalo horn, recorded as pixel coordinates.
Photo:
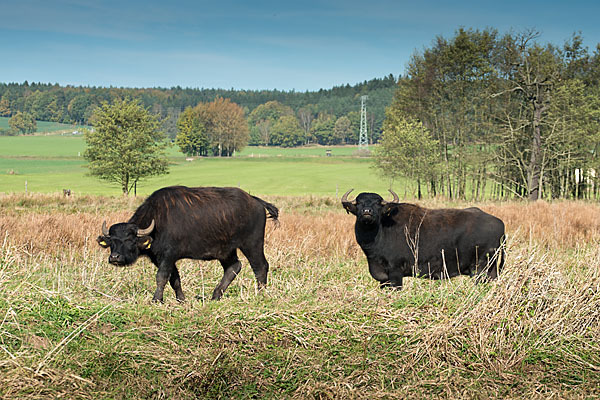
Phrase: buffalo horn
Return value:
(144, 232)
(104, 229)
(345, 196)
(396, 198)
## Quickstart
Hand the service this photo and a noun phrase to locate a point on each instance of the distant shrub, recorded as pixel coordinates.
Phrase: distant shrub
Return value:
(6, 132)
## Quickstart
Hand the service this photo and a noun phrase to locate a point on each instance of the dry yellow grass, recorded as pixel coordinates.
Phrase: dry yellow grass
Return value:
(322, 329)
(321, 226)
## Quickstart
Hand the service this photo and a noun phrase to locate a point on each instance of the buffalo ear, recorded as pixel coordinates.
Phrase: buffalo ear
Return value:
(103, 241)
(145, 242)
(350, 207)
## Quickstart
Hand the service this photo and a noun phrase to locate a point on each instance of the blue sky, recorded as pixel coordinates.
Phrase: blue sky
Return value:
(296, 45)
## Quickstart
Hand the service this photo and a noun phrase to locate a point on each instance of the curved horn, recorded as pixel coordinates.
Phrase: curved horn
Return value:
(144, 232)
(396, 198)
(104, 229)
(345, 196)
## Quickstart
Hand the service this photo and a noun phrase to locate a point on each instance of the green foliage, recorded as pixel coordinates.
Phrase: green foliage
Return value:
(286, 132)
(4, 107)
(322, 129)
(406, 150)
(191, 136)
(342, 130)
(78, 108)
(226, 126)
(354, 117)
(306, 116)
(505, 109)
(21, 123)
(263, 118)
(271, 110)
(125, 145)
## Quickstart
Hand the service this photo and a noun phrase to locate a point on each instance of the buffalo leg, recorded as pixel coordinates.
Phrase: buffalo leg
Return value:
(162, 276)
(231, 268)
(387, 277)
(495, 261)
(258, 262)
(379, 273)
(395, 279)
(175, 281)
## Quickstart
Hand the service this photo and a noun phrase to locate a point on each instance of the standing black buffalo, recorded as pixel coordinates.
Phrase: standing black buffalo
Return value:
(205, 223)
(444, 242)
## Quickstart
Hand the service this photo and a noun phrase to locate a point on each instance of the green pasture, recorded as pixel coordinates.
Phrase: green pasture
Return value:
(47, 164)
(43, 126)
(51, 146)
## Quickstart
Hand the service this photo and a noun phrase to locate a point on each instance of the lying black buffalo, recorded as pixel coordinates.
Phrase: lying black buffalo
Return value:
(204, 223)
(444, 242)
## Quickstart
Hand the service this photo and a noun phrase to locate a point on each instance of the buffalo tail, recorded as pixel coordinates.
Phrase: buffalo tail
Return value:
(272, 211)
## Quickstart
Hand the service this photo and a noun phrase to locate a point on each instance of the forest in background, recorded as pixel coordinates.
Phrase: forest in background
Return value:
(76, 104)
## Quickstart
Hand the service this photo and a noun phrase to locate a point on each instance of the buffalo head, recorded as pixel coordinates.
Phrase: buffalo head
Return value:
(368, 207)
(126, 241)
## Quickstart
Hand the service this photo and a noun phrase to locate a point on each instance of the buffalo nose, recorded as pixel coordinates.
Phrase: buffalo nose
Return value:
(115, 258)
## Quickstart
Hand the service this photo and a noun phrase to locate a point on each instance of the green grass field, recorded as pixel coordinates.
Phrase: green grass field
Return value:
(50, 163)
(43, 126)
(308, 151)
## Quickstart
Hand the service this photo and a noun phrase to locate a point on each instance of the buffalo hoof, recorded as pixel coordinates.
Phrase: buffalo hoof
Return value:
(217, 294)
(389, 286)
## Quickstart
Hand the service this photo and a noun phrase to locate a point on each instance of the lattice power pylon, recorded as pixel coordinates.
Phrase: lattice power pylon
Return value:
(363, 138)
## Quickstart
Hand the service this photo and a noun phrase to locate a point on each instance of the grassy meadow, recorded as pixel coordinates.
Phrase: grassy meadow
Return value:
(51, 163)
(73, 326)
(44, 126)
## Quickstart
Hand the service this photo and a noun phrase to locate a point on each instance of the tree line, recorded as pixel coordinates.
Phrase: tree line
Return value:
(484, 114)
(76, 105)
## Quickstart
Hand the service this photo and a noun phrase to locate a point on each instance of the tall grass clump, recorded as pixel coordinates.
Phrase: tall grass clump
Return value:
(73, 326)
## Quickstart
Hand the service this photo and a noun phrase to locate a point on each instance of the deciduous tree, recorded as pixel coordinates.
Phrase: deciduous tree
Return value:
(322, 128)
(532, 73)
(226, 126)
(406, 149)
(263, 117)
(287, 132)
(22, 122)
(125, 145)
(306, 116)
(191, 133)
(342, 130)
(4, 107)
